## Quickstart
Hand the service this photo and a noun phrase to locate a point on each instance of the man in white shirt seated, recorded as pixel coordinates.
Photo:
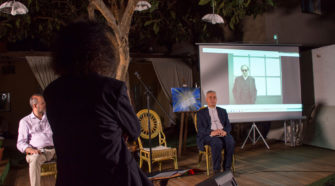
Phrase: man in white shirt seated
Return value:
(35, 138)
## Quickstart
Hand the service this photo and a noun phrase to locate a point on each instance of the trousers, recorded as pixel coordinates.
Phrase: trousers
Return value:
(217, 144)
(35, 161)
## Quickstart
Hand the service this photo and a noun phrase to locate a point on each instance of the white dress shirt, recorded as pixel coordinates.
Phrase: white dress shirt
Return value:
(34, 132)
(216, 123)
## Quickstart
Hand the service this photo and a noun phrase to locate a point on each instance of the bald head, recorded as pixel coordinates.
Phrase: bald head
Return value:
(37, 104)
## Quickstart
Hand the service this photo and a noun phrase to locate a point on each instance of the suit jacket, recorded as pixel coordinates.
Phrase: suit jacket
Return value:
(204, 124)
(245, 91)
(89, 116)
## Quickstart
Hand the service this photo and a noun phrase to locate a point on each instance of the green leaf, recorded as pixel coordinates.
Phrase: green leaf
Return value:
(270, 2)
(247, 3)
(204, 28)
(203, 2)
(156, 28)
(149, 22)
(173, 14)
(221, 5)
(17, 23)
(154, 6)
(231, 25)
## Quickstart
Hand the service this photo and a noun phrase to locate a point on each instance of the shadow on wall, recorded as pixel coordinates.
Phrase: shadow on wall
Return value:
(315, 130)
(310, 126)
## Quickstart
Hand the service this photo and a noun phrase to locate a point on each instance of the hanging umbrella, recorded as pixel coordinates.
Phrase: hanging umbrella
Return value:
(142, 5)
(213, 18)
(13, 8)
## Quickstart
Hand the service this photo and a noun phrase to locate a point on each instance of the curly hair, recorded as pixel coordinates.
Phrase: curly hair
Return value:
(82, 48)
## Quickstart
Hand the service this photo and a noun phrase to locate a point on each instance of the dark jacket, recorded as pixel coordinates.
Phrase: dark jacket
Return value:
(89, 116)
(204, 124)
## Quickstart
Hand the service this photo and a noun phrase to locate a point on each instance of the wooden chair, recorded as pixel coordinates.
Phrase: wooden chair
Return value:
(161, 152)
(207, 151)
(49, 168)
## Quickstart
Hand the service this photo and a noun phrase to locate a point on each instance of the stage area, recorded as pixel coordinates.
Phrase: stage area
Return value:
(255, 165)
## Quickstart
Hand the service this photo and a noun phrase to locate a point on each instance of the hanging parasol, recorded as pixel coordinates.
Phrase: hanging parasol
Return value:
(213, 18)
(13, 8)
(142, 5)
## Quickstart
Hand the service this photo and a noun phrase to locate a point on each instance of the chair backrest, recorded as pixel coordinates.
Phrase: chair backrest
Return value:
(195, 119)
(155, 125)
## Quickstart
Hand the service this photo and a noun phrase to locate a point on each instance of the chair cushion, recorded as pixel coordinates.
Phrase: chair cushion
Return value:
(157, 148)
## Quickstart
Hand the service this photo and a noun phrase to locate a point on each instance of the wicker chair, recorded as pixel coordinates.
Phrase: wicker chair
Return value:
(49, 168)
(207, 151)
(161, 152)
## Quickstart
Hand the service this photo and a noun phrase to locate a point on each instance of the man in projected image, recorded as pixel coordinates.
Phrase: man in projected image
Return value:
(214, 130)
(244, 90)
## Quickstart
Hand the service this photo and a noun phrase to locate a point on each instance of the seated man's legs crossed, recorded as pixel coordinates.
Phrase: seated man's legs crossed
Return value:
(35, 161)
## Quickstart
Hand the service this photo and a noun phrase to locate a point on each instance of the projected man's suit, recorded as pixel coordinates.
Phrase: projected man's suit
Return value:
(244, 90)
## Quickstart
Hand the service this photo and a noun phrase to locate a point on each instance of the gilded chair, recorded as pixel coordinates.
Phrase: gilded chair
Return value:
(207, 151)
(161, 152)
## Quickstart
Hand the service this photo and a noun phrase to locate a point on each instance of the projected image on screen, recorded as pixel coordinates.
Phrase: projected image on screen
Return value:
(252, 82)
(254, 79)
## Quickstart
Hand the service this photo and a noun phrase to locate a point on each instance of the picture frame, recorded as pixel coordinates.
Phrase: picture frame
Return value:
(4, 101)
(185, 99)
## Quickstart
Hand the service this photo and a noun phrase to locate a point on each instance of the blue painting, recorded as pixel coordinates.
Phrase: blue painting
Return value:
(185, 99)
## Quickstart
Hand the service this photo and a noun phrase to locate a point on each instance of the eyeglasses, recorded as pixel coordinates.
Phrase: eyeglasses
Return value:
(244, 70)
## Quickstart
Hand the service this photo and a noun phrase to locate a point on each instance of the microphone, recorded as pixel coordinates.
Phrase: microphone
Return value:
(137, 75)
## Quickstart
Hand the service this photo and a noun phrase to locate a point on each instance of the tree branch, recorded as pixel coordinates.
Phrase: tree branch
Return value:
(115, 10)
(112, 38)
(90, 10)
(100, 5)
(127, 16)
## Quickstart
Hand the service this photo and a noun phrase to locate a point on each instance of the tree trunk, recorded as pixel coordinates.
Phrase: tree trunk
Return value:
(120, 24)
(124, 59)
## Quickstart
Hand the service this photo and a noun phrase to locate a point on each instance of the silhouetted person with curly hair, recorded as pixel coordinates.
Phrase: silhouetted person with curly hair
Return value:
(89, 112)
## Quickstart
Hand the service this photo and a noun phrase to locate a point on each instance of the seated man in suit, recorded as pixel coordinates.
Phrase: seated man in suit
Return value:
(35, 138)
(214, 130)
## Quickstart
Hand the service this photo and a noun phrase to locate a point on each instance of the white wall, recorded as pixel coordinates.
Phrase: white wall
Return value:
(324, 75)
(320, 131)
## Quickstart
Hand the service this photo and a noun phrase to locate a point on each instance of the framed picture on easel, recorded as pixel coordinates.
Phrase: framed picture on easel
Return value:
(185, 99)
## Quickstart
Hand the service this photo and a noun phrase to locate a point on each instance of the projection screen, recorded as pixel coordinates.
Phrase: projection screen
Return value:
(252, 82)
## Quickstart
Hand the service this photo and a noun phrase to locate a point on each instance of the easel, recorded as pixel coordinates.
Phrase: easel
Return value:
(184, 116)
